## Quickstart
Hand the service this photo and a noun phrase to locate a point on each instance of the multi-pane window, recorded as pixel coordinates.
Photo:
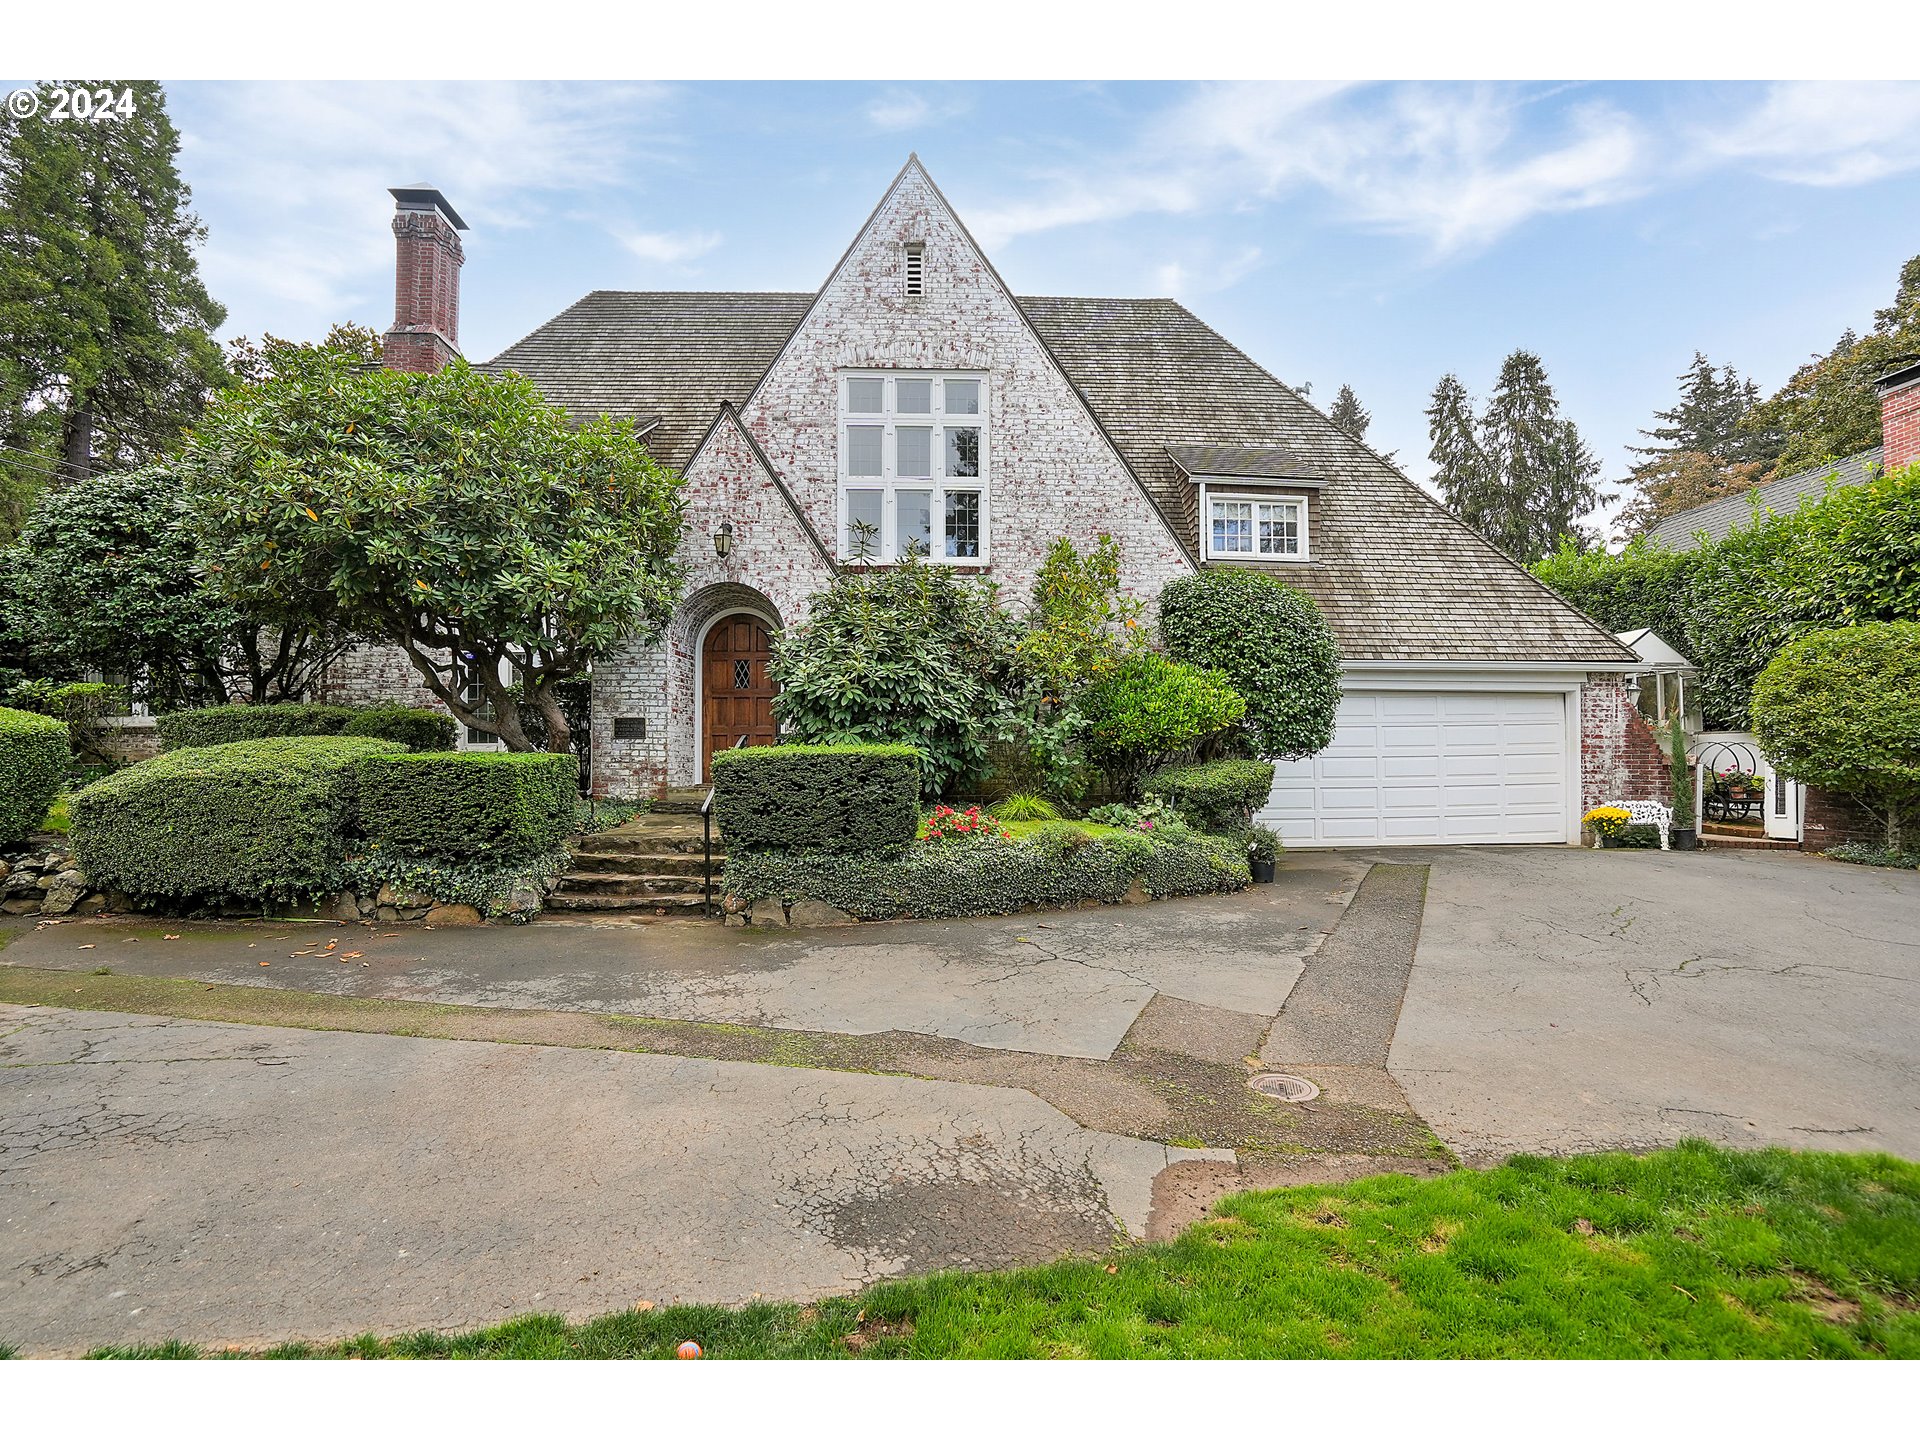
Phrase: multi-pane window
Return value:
(1248, 528)
(913, 475)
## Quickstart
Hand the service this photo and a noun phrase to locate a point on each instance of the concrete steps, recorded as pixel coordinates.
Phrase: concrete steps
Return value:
(652, 865)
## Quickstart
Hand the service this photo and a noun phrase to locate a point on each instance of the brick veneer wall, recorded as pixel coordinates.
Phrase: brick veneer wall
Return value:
(1620, 756)
(1900, 426)
(375, 675)
(1050, 472)
(1831, 820)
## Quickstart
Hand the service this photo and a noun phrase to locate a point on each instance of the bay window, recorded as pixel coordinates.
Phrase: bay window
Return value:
(913, 475)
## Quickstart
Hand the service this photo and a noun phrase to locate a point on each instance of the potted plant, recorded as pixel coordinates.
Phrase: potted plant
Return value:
(1263, 846)
(1684, 836)
(1609, 823)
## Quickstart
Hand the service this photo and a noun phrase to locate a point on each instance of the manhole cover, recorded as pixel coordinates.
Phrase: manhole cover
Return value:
(1290, 1088)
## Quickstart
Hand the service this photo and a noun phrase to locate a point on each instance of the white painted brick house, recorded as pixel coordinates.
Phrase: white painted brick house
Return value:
(915, 401)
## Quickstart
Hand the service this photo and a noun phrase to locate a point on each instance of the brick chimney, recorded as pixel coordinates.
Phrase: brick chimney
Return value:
(426, 281)
(1900, 416)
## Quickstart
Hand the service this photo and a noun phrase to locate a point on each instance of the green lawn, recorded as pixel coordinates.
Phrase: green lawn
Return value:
(1689, 1252)
(57, 821)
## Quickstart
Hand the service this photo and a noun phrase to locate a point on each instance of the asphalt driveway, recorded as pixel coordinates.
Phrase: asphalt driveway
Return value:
(1572, 1000)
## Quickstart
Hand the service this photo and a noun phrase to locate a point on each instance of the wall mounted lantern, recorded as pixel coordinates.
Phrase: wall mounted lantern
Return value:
(723, 539)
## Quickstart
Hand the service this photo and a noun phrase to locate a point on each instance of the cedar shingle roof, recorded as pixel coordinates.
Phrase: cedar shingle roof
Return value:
(1246, 462)
(1719, 518)
(672, 353)
(1397, 576)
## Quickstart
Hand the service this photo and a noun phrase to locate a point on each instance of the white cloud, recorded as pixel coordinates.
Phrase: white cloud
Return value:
(669, 247)
(297, 175)
(1825, 132)
(1204, 273)
(1450, 166)
(898, 109)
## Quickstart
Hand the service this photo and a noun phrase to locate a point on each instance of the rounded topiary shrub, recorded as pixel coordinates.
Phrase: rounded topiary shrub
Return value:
(33, 765)
(473, 806)
(258, 820)
(1841, 709)
(1219, 796)
(1273, 645)
(1148, 709)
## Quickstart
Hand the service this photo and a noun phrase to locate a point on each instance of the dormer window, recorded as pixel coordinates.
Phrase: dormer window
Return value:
(914, 268)
(1255, 527)
(913, 467)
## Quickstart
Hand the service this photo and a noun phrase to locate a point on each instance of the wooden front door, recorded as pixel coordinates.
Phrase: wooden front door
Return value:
(736, 690)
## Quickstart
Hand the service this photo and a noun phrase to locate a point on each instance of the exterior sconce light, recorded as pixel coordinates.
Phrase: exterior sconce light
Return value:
(723, 539)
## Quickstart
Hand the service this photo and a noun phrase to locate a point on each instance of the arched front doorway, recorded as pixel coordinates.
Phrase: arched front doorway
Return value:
(736, 690)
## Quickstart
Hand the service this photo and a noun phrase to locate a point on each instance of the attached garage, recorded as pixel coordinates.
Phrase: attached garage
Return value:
(1435, 767)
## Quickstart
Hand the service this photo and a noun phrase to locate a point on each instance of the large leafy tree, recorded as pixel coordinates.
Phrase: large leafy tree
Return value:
(1522, 476)
(1830, 409)
(455, 515)
(106, 343)
(107, 576)
(1680, 481)
(1841, 709)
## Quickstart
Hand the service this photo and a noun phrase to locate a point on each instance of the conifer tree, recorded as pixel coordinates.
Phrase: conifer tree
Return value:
(1349, 414)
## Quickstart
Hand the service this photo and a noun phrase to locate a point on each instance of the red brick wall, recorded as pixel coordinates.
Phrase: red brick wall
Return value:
(1900, 426)
(426, 292)
(1832, 820)
(1620, 757)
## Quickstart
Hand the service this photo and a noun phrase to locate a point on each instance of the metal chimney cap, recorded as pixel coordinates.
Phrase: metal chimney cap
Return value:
(425, 197)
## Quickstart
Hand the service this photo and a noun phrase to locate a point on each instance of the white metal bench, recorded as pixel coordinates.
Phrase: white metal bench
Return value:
(1645, 812)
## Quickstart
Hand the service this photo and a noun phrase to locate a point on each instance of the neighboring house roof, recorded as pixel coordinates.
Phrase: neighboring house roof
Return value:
(1718, 518)
(1396, 575)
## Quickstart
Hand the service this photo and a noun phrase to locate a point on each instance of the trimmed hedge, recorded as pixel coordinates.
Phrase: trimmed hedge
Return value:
(33, 765)
(837, 798)
(477, 805)
(1217, 795)
(419, 730)
(226, 724)
(259, 820)
(940, 881)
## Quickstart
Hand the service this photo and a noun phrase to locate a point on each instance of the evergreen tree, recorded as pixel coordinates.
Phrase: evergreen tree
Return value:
(1701, 449)
(1459, 469)
(106, 344)
(1521, 476)
(1349, 414)
(1830, 409)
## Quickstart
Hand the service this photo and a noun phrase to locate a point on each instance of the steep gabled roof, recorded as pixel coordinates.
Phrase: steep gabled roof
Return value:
(1718, 518)
(675, 354)
(1397, 576)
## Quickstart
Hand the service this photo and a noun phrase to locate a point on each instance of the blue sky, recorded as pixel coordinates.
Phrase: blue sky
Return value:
(1379, 235)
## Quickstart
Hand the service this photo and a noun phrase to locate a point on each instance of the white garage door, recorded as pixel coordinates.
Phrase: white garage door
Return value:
(1430, 768)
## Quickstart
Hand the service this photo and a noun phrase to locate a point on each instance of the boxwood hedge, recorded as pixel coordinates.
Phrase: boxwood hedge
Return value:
(33, 764)
(264, 820)
(481, 804)
(840, 798)
(939, 881)
(225, 724)
(1217, 795)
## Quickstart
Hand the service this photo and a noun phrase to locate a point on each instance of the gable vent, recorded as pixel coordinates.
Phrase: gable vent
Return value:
(916, 269)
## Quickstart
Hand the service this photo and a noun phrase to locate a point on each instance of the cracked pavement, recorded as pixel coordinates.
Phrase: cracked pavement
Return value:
(1573, 1000)
(242, 1184)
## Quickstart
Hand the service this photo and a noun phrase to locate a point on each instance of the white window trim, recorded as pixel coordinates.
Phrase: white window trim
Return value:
(890, 483)
(1299, 502)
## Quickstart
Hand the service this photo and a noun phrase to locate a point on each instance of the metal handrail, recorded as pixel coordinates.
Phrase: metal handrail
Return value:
(706, 833)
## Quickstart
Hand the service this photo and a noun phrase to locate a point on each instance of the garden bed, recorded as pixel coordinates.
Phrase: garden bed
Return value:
(1037, 865)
